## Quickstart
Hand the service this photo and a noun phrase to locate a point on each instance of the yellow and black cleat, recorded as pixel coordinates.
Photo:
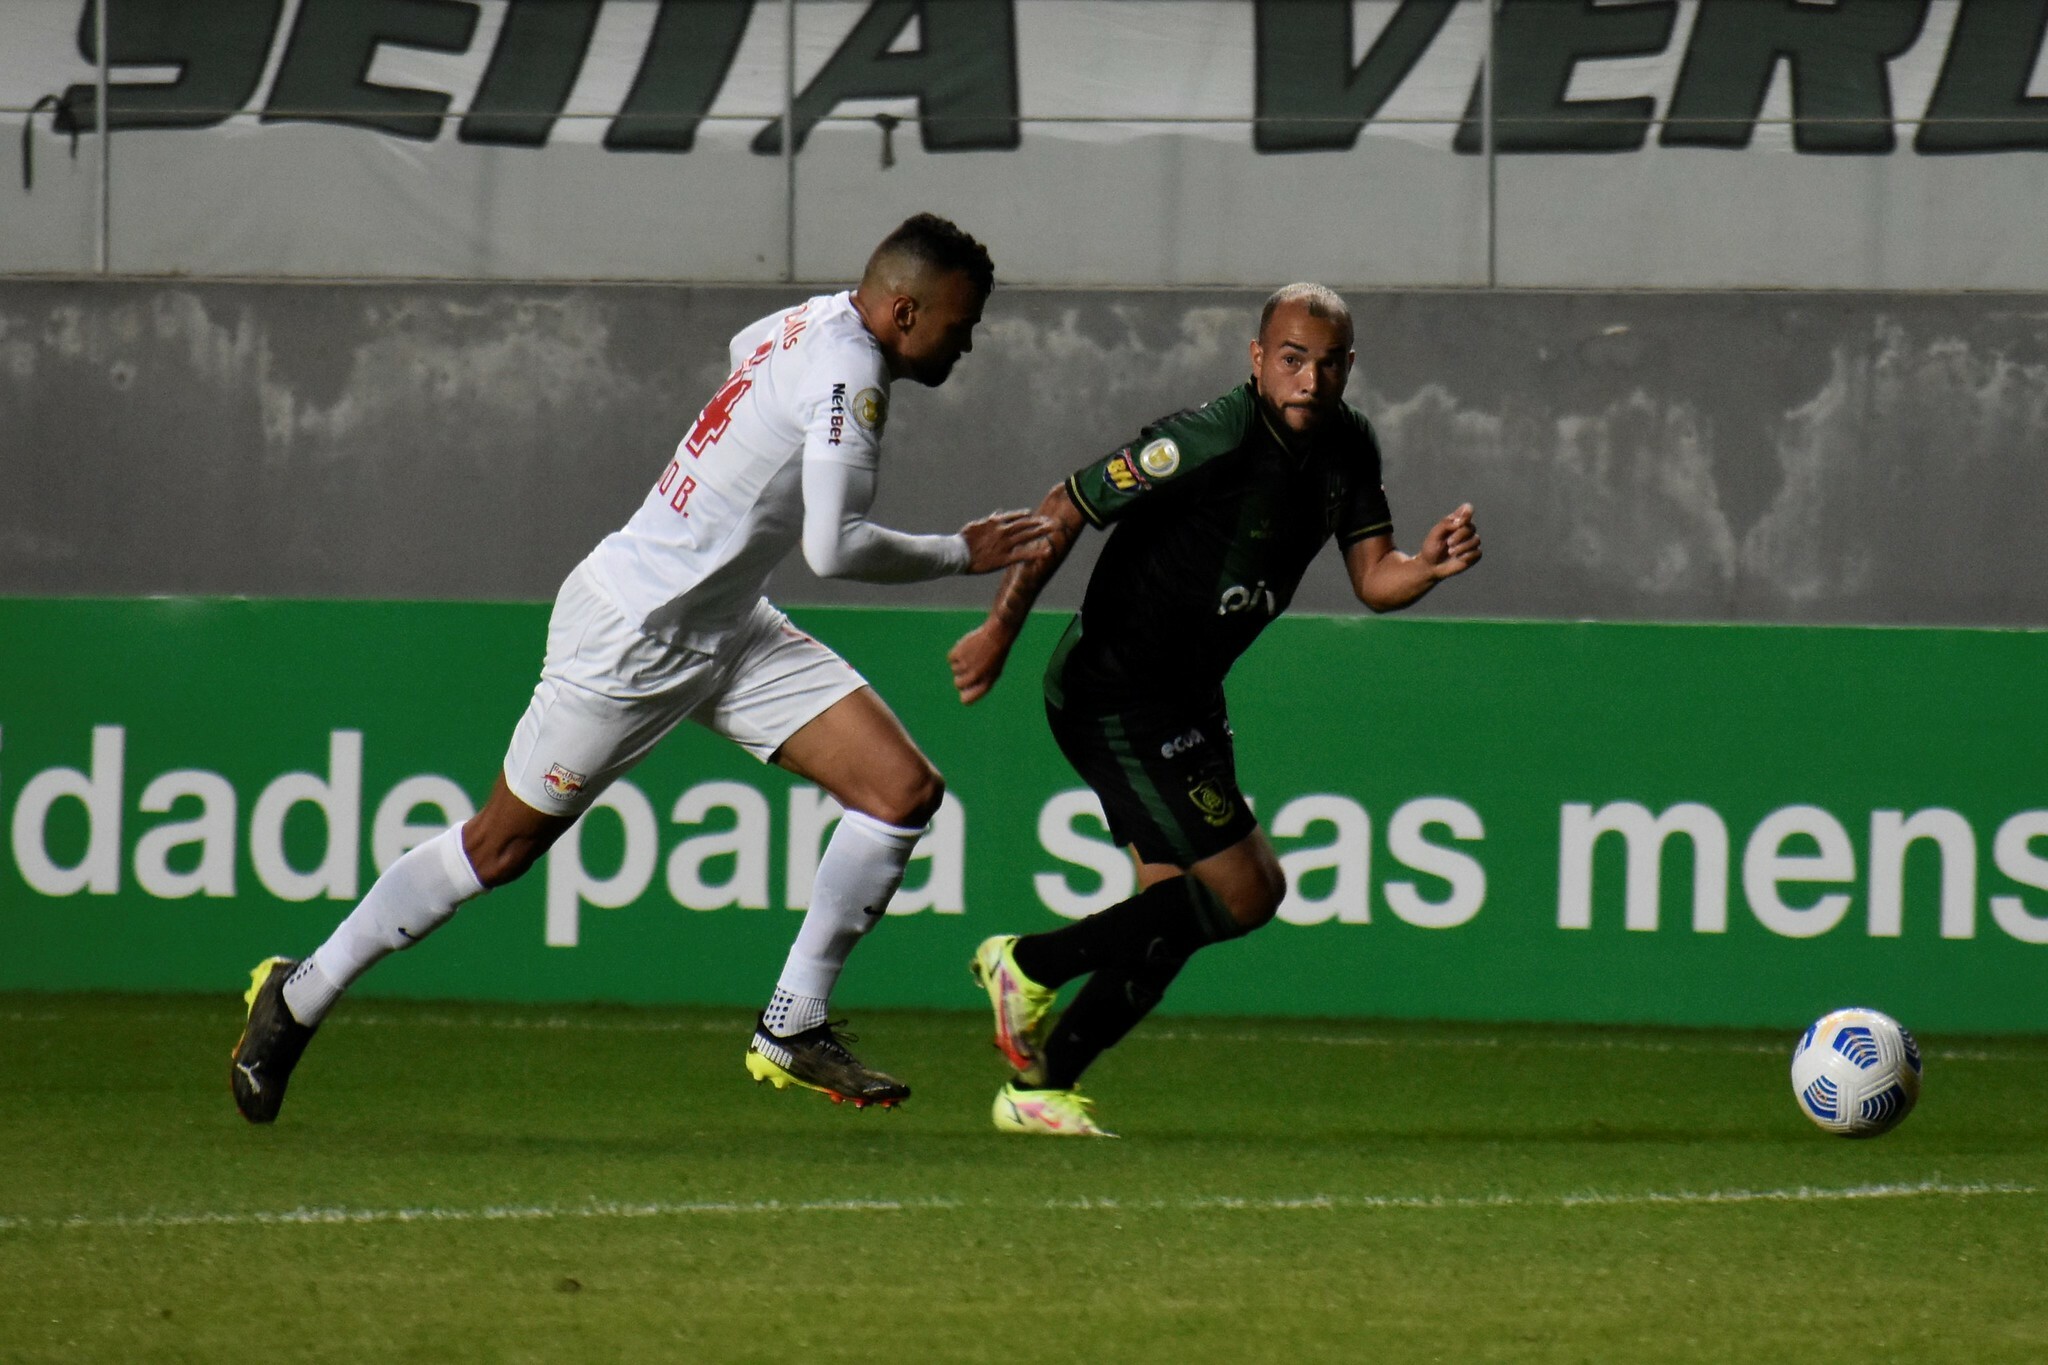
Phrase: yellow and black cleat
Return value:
(270, 1046)
(818, 1059)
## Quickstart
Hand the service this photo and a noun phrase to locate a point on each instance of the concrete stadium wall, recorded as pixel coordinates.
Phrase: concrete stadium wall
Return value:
(1728, 456)
(1676, 144)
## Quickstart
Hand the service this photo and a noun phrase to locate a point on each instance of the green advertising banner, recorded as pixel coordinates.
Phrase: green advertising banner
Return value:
(1479, 820)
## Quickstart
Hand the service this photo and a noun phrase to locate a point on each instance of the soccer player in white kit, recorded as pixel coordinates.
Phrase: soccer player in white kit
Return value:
(664, 621)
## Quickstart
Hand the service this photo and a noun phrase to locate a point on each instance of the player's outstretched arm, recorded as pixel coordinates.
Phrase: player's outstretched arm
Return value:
(978, 658)
(1002, 539)
(1386, 579)
(839, 541)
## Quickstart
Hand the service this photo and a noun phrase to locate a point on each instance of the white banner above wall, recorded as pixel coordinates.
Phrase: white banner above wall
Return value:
(1658, 143)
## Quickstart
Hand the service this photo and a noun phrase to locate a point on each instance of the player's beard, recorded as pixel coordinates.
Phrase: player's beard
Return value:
(1315, 418)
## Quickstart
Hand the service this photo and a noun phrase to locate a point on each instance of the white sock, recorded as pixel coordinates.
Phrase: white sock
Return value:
(787, 1014)
(862, 867)
(415, 896)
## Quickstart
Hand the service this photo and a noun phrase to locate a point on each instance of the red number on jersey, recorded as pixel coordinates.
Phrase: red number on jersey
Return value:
(717, 414)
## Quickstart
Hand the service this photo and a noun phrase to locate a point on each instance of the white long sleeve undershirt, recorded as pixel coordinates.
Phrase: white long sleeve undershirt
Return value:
(840, 542)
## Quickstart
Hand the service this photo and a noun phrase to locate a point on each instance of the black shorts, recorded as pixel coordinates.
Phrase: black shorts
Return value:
(1168, 781)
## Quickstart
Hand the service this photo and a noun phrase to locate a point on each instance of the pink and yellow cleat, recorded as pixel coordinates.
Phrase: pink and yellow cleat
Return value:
(1046, 1113)
(1020, 1004)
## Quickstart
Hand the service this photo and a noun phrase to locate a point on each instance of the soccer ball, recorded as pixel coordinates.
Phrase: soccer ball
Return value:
(1856, 1072)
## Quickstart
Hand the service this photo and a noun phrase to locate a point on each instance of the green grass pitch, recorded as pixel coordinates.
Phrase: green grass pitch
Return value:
(500, 1183)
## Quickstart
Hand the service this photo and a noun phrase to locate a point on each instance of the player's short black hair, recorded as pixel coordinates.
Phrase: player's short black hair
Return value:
(939, 243)
(1322, 301)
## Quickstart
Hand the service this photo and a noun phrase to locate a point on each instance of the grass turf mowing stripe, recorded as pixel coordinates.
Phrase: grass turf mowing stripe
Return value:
(316, 1217)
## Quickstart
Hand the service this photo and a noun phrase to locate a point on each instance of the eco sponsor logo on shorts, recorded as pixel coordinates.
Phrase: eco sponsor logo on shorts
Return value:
(871, 409)
(1216, 808)
(563, 784)
(1160, 458)
(1180, 744)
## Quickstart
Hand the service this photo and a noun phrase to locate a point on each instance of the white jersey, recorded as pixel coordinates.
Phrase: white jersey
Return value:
(788, 447)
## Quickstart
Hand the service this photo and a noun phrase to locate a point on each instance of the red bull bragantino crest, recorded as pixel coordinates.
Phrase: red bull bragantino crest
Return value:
(561, 783)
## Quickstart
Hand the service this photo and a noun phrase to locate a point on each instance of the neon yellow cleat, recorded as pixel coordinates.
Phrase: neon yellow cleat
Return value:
(1020, 1003)
(1047, 1113)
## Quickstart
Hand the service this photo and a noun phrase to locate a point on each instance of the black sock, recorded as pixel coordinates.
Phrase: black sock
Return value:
(1168, 921)
(1108, 1007)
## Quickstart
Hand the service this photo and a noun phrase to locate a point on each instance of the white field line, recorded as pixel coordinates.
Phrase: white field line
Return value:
(1799, 1195)
(493, 1213)
(556, 1023)
(323, 1217)
(1541, 1044)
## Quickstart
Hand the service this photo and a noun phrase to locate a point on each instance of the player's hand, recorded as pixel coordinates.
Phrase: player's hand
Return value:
(978, 660)
(1452, 545)
(1001, 539)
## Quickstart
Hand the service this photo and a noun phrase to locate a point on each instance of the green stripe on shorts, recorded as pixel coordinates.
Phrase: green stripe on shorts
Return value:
(1147, 790)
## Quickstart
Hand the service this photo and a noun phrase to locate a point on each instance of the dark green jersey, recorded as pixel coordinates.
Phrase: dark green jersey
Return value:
(1217, 513)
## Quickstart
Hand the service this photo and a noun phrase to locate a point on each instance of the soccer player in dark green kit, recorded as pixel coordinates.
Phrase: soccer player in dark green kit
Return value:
(1218, 511)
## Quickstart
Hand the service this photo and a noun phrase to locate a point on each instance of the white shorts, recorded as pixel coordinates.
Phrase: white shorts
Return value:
(608, 694)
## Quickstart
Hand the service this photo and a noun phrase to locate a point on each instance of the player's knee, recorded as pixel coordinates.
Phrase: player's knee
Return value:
(1253, 910)
(912, 799)
(499, 860)
(501, 865)
(508, 866)
(1255, 901)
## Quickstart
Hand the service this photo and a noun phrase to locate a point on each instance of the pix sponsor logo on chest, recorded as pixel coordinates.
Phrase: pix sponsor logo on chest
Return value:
(1239, 598)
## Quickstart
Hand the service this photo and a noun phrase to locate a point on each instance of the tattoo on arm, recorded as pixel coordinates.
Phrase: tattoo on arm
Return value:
(1022, 582)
